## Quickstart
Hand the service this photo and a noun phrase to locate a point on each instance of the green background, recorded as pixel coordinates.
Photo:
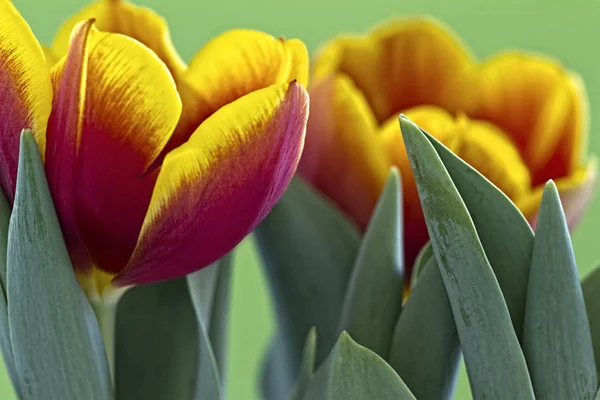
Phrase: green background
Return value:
(569, 30)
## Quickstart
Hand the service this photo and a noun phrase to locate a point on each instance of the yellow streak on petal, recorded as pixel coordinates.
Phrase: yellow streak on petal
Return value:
(51, 57)
(23, 68)
(139, 23)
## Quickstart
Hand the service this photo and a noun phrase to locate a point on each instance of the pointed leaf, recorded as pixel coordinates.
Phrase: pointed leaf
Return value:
(504, 232)
(210, 292)
(307, 368)
(591, 296)
(353, 372)
(56, 341)
(308, 248)
(421, 261)
(156, 342)
(556, 336)
(208, 384)
(5, 343)
(492, 352)
(425, 351)
(374, 296)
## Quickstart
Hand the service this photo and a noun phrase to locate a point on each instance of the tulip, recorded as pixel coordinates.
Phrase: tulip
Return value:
(518, 118)
(156, 169)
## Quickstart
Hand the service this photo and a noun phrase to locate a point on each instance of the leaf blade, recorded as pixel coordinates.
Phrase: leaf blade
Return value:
(373, 298)
(557, 342)
(55, 336)
(487, 337)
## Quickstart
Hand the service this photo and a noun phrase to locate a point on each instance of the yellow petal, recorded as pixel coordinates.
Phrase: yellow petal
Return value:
(575, 192)
(122, 17)
(403, 64)
(51, 57)
(490, 151)
(343, 157)
(525, 95)
(574, 131)
(25, 91)
(234, 64)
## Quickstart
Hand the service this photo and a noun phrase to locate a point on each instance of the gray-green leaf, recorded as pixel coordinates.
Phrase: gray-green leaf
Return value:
(307, 368)
(353, 372)
(425, 351)
(56, 341)
(504, 232)
(556, 340)
(591, 296)
(308, 248)
(490, 346)
(210, 290)
(374, 296)
(156, 342)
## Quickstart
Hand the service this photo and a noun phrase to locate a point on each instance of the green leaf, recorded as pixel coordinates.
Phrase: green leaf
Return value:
(156, 342)
(591, 296)
(308, 248)
(504, 232)
(425, 351)
(307, 368)
(5, 343)
(556, 340)
(374, 296)
(490, 346)
(425, 254)
(353, 372)
(56, 341)
(210, 289)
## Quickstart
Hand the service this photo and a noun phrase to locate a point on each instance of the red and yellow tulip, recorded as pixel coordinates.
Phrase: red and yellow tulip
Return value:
(518, 118)
(156, 168)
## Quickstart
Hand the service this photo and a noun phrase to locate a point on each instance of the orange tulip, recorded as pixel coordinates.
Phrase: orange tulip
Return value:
(156, 168)
(518, 118)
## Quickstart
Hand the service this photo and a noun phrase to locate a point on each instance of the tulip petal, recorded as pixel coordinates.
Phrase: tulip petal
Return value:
(402, 64)
(63, 139)
(575, 192)
(444, 127)
(139, 23)
(130, 109)
(232, 65)
(25, 91)
(343, 157)
(572, 146)
(213, 190)
(528, 97)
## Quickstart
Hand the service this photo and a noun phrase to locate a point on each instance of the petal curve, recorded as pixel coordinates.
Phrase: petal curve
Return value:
(213, 190)
(139, 23)
(232, 65)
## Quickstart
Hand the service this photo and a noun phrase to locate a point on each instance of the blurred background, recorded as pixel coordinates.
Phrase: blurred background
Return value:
(568, 30)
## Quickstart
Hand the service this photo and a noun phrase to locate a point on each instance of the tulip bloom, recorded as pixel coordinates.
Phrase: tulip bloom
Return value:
(156, 168)
(518, 118)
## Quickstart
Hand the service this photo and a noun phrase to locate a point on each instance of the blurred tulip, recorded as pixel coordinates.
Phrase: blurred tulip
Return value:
(519, 118)
(144, 191)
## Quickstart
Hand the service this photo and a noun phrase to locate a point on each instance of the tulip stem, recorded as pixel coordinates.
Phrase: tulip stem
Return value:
(105, 311)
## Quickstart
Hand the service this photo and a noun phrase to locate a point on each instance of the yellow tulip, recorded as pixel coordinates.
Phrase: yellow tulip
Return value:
(518, 118)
